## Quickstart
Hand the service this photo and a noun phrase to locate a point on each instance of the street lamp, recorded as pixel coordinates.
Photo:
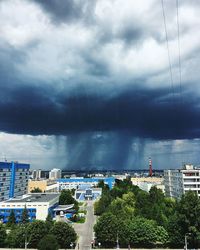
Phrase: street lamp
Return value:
(117, 241)
(99, 244)
(186, 240)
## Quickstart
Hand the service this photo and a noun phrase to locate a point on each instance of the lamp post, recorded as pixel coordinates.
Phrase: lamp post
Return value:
(186, 240)
(117, 241)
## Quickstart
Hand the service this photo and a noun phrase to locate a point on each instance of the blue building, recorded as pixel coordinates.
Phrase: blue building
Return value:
(13, 179)
(76, 183)
(88, 194)
(38, 206)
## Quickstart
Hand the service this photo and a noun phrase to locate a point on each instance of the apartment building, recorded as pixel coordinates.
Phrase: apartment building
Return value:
(178, 182)
(13, 179)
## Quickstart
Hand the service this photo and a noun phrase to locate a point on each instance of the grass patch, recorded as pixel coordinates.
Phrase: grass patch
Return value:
(82, 211)
(81, 220)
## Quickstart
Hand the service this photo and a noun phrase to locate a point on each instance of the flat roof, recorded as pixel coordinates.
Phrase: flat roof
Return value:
(31, 198)
(93, 189)
(63, 207)
(94, 179)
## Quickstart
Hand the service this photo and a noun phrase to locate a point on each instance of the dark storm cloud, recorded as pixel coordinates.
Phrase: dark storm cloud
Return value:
(142, 112)
(67, 10)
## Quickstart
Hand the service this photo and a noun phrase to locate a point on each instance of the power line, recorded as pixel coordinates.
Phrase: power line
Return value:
(167, 42)
(179, 51)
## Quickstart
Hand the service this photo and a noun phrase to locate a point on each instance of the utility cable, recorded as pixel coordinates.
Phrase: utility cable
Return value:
(167, 42)
(179, 51)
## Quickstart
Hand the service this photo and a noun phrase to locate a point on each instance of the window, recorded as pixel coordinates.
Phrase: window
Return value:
(189, 174)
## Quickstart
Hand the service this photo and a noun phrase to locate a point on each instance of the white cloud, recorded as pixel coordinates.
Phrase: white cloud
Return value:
(61, 49)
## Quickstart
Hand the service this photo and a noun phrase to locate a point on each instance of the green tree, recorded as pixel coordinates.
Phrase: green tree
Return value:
(187, 219)
(108, 227)
(102, 185)
(2, 235)
(49, 221)
(36, 230)
(156, 195)
(66, 198)
(145, 233)
(49, 218)
(16, 237)
(142, 204)
(175, 231)
(25, 216)
(122, 208)
(11, 219)
(101, 205)
(64, 234)
(48, 242)
(36, 190)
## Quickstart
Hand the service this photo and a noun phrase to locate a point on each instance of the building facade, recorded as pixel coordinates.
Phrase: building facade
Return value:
(13, 179)
(38, 206)
(55, 174)
(76, 183)
(46, 186)
(178, 182)
(88, 194)
(146, 183)
(36, 174)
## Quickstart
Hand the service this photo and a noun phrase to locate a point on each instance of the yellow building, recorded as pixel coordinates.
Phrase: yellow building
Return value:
(47, 186)
(145, 183)
(136, 180)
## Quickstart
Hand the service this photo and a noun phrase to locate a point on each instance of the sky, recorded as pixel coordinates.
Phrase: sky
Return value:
(86, 84)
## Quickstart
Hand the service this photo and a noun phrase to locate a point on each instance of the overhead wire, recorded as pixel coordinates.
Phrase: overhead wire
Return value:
(179, 51)
(179, 55)
(169, 58)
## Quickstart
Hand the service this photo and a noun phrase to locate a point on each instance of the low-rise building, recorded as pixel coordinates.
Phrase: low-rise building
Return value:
(46, 186)
(179, 181)
(88, 194)
(146, 183)
(75, 183)
(38, 206)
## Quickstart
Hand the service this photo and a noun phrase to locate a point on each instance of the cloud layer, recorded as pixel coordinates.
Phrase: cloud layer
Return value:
(79, 67)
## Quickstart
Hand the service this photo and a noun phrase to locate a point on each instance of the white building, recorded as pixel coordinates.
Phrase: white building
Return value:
(55, 174)
(79, 182)
(36, 174)
(146, 183)
(178, 182)
(38, 206)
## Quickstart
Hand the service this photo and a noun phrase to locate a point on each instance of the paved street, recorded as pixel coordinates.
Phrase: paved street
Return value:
(85, 230)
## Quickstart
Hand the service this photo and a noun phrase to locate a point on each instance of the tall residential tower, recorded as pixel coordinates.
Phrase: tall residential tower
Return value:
(13, 179)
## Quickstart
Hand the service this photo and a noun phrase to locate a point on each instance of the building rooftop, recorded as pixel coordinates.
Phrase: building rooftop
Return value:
(93, 189)
(94, 179)
(39, 197)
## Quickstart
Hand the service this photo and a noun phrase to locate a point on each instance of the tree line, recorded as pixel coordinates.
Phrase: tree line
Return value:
(137, 218)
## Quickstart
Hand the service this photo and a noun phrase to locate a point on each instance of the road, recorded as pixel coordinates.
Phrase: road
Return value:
(85, 230)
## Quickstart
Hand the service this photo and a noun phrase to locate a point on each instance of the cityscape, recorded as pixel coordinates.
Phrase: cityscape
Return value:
(88, 211)
(99, 124)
